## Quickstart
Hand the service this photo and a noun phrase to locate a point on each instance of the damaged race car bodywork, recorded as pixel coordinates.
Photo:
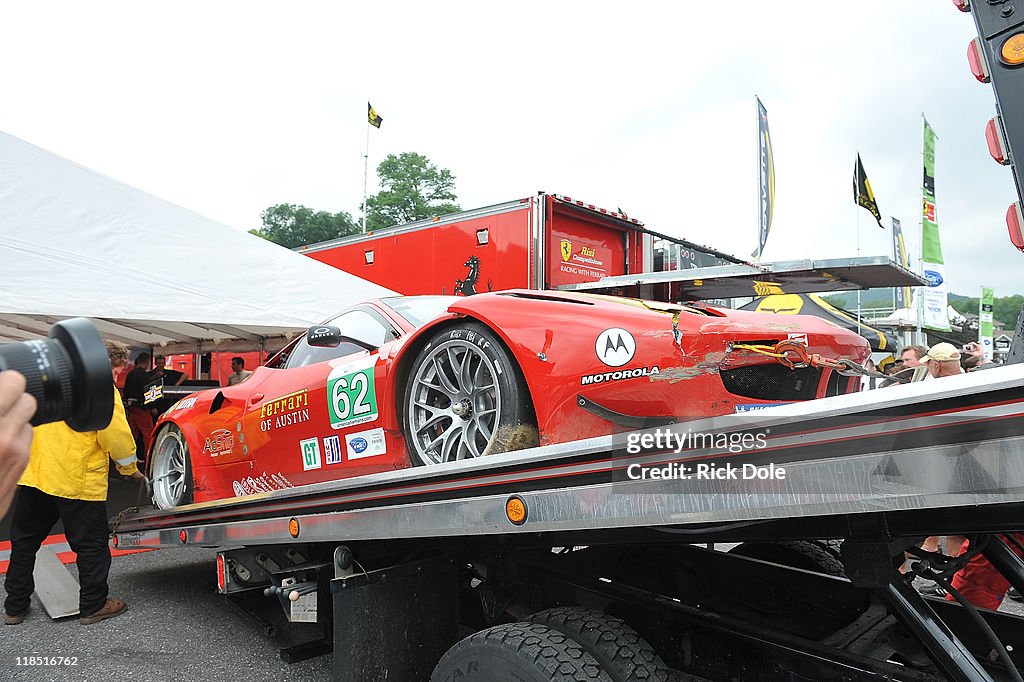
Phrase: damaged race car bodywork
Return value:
(422, 380)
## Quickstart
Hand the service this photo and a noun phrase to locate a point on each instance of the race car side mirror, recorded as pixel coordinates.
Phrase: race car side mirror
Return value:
(323, 336)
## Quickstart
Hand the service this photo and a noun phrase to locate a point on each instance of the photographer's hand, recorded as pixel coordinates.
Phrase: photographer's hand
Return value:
(16, 409)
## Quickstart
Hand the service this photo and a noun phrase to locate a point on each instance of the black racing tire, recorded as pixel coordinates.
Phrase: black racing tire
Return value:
(465, 397)
(809, 555)
(622, 653)
(518, 652)
(170, 468)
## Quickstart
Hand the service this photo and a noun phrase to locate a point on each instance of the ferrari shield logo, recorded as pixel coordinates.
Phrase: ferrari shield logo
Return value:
(566, 249)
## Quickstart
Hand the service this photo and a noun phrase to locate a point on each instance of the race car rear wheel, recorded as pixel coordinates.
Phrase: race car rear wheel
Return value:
(171, 471)
(465, 398)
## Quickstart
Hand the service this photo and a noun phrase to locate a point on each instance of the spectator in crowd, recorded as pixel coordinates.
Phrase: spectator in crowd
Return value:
(943, 360)
(16, 409)
(118, 354)
(238, 371)
(66, 479)
(911, 356)
(171, 377)
(140, 417)
(974, 357)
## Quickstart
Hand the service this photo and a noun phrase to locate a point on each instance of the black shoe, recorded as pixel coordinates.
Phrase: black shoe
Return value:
(933, 590)
(1013, 594)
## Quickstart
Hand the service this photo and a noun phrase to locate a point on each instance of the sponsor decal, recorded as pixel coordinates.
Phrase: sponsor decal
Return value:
(365, 444)
(285, 411)
(754, 407)
(934, 278)
(566, 246)
(929, 210)
(321, 333)
(351, 395)
(185, 403)
(153, 393)
(619, 375)
(802, 338)
(310, 448)
(615, 347)
(219, 442)
(587, 256)
(332, 450)
(264, 483)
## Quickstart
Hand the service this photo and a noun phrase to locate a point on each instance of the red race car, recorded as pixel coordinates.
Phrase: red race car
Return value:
(422, 380)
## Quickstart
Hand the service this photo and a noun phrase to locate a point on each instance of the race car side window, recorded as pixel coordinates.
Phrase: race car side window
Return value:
(360, 325)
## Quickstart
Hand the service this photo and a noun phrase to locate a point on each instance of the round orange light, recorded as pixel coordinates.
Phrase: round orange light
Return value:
(293, 527)
(515, 510)
(1012, 50)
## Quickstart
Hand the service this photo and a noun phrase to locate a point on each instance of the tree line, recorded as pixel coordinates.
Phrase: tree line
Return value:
(412, 189)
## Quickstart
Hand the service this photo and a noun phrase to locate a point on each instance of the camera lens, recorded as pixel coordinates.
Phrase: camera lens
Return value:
(68, 374)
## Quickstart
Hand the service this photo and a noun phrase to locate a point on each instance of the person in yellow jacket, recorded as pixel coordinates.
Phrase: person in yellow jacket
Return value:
(66, 479)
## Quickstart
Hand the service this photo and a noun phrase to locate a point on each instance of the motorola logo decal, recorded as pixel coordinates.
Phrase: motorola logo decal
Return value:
(615, 347)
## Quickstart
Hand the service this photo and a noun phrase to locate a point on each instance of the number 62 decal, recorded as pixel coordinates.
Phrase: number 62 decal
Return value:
(351, 397)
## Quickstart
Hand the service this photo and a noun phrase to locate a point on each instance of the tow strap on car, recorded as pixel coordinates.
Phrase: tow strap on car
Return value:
(793, 355)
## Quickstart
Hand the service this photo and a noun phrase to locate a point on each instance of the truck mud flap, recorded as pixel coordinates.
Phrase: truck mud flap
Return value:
(395, 623)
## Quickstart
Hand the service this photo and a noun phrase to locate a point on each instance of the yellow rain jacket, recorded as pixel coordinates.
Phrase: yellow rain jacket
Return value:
(73, 465)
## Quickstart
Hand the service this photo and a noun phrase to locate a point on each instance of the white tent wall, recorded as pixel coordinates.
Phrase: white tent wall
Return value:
(74, 243)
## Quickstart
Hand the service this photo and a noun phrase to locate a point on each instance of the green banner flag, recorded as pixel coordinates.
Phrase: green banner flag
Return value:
(936, 302)
(988, 299)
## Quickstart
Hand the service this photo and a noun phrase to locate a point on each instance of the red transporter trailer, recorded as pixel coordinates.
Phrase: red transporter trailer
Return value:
(540, 242)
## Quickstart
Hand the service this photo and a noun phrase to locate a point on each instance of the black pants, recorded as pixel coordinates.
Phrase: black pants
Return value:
(85, 525)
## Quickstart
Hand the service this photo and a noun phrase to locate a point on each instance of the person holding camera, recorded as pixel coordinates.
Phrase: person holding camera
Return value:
(16, 409)
(66, 480)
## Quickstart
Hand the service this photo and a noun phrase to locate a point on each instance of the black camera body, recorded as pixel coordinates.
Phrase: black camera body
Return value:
(68, 374)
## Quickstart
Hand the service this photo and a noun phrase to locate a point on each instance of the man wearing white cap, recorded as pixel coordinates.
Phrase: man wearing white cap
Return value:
(943, 360)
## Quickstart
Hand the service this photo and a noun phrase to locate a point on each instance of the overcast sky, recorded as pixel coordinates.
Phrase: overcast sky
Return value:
(227, 108)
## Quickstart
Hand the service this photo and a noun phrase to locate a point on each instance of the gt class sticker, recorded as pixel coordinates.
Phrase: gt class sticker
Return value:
(365, 444)
(351, 394)
(615, 347)
(310, 453)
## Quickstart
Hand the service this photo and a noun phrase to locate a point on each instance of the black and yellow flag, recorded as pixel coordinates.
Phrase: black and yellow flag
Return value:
(372, 116)
(862, 193)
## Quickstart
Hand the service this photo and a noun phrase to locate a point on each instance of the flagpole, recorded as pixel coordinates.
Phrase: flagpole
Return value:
(857, 172)
(366, 167)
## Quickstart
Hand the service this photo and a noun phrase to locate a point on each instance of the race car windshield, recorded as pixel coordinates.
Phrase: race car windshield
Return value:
(418, 310)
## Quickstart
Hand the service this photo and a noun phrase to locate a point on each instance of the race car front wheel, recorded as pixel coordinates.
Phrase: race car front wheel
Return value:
(171, 471)
(465, 398)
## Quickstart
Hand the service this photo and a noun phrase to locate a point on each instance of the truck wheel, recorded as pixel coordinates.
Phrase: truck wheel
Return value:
(622, 653)
(806, 554)
(464, 398)
(518, 652)
(171, 469)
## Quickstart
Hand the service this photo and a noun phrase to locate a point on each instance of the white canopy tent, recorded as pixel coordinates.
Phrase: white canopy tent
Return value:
(74, 243)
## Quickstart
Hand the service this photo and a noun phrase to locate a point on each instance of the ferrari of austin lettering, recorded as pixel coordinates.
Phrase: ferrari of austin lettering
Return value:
(425, 380)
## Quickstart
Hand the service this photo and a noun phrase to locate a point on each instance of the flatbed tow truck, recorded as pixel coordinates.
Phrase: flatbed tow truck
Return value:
(593, 560)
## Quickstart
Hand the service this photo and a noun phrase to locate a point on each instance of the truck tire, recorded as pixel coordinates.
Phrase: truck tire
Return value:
(170, 469)
(465, 398)
(518, 652)
(622, 653)
(809, 555)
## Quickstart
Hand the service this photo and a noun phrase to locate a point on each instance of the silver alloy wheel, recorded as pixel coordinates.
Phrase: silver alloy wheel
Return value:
(455, 405)
(169, 469)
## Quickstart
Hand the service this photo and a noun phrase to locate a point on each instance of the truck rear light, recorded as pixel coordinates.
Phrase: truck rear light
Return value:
(1012, 51)
(222, 578)
(976, 58)
(962, 5)
(996, 141)
(183, 536)
(1014, 221)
